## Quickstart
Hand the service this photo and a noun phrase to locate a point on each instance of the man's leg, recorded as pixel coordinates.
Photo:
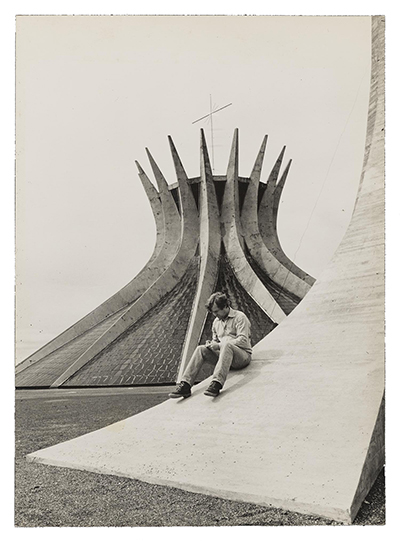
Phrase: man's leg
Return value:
(229, 356)
(201, 354)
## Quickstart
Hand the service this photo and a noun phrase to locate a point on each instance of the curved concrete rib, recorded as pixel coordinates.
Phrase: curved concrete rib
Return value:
(163, 285)
(255, 244)
(156, 207)
(267, 221)
(188, 209)
(167, 242)
(265, 206)
(210, 245)
(172, 220)
(232, 237)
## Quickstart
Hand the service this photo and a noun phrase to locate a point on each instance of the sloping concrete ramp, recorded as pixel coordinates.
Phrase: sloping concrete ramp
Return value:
(302, 427)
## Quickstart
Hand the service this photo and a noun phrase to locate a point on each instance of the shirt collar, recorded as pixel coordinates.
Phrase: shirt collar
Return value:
(232, 313)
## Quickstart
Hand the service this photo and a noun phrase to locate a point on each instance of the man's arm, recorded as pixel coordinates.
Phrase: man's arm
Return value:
(214, 333)
(214, 343)
(242, 339)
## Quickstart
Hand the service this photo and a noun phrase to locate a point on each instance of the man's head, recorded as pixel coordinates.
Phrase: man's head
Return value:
(218, 304)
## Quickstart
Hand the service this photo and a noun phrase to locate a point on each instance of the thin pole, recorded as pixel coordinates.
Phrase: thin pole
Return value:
(216, 111)
(212, 134)
(210, 115)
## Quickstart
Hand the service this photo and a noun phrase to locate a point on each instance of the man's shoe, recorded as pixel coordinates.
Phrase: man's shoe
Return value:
(213, 389)
(182, 390)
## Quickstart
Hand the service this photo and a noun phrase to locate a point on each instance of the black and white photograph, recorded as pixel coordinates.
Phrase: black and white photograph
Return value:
(199, 270)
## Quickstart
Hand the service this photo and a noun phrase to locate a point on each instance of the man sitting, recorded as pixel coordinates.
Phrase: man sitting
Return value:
(230, 347)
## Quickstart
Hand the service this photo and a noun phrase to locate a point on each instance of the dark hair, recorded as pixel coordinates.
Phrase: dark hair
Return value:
(220, 299)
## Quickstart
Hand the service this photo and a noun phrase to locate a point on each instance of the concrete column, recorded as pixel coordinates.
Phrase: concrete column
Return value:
(233, 241)
(172, 220)
(189, 212)
(255, 244)
(156, 208)
(267, 221)
(210, 243)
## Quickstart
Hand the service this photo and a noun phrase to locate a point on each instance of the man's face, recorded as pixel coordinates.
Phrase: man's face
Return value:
(220, 313)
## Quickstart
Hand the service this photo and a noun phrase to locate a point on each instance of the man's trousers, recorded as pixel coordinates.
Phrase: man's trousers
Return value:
(229, 356)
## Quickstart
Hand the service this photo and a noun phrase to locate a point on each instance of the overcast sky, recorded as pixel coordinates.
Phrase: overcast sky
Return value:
(93, 92)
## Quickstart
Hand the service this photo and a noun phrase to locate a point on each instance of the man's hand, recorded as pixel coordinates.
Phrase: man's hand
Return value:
(214, 346)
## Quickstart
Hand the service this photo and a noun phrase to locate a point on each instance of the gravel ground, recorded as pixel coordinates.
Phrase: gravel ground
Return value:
(51, 496)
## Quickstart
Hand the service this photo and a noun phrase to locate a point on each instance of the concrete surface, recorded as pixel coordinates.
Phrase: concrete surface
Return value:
(48, 496)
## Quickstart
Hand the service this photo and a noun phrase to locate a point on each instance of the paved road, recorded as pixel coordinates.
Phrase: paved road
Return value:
(28, 394)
